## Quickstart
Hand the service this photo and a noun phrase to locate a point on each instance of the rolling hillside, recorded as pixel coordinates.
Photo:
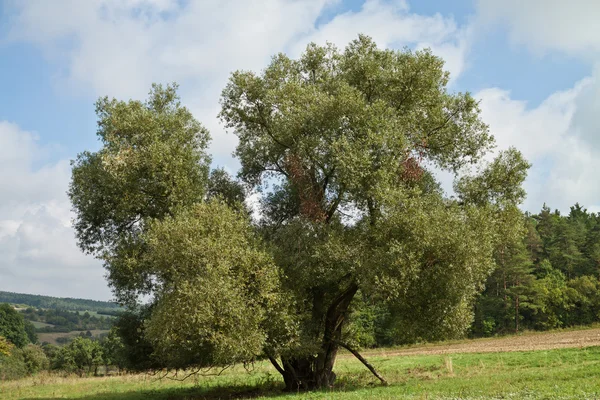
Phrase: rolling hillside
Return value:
(63, 303)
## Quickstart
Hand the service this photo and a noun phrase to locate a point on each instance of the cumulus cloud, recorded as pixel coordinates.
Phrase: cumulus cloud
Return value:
(392, 25)
(120, 48)
(558, 137)
(547, 25)
(37, 243)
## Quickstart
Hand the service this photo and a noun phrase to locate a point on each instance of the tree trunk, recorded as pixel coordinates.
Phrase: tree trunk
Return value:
(301, 374)
(517, 314)
(316, 371)
(517, 310)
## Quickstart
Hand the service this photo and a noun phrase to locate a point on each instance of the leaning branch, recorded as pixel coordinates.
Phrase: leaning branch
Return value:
(276, 365)
(365, 362)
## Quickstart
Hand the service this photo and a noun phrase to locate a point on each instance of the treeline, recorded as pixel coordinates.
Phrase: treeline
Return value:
(67, 321)
(548, 280)
(37, 301)
(21, 355)
(83, 356)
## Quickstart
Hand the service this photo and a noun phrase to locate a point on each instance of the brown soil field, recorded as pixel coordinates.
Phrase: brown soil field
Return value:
(524, 342)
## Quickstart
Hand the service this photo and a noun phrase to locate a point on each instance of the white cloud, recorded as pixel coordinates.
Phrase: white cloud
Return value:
(37, 243)
(120, 48)
(391, 24)
(558, 137)
(547, 25)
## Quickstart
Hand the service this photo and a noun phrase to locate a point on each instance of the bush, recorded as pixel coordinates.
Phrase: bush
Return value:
(35, 359)
(82, 355)
(52, 353)
(12, 366)
(64, 339)
(5, 346)
(489, 326)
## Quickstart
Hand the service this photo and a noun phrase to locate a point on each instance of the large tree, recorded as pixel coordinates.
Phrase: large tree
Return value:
(348, 142)
(343, 146)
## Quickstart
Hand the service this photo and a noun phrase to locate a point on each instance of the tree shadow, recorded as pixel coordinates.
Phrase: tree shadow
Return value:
(235, 392)
(192, 393)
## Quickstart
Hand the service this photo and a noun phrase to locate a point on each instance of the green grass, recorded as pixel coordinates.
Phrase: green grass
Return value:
(551, 374)
(95, 314)
(51, 337)
(39, 324)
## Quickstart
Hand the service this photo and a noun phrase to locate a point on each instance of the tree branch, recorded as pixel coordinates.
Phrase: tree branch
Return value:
(276, 365)
(264, 124)
(364, 361)
(334, 207)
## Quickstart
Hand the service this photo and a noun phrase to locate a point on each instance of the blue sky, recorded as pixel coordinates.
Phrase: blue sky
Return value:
(533, 65)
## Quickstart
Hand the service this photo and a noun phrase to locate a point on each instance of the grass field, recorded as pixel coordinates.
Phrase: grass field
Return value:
(559, 373)
(39, 324)
(51, 337)
(95, 314)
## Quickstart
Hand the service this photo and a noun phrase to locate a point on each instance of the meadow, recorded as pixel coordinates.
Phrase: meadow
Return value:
(480, 370)
(54, 338)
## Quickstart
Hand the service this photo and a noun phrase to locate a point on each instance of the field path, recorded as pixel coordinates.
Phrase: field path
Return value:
(525, 342)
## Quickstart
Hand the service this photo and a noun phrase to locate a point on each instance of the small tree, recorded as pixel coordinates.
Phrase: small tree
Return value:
(35, 359)
(12, 326)
(225, 285)
(31, 333)
(81, 356)
(113, 350)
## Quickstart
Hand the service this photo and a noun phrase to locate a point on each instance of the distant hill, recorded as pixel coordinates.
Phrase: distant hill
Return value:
(62, 303)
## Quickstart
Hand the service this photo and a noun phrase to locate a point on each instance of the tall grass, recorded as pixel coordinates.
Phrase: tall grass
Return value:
(552, 374)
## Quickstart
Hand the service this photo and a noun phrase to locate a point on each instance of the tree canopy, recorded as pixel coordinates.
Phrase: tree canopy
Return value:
(152, 162)
(344, 146)
(349, 141)
(546, 279)
(12, 326)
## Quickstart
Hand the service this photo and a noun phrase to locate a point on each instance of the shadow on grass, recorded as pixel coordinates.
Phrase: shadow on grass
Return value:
(190, 393)
(202, 393)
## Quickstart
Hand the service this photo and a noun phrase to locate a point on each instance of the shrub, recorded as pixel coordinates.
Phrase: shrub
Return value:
(52, 353)
(82, 355)
(35, 359)
(5, 346)
(12, 366)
